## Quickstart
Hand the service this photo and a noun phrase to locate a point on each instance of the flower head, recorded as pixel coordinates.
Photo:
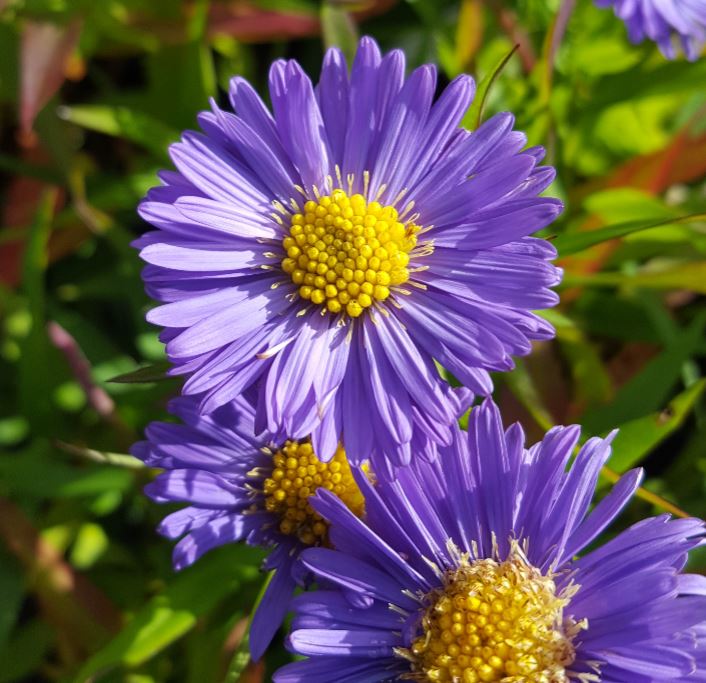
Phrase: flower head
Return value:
(475, 568)
(329, 252)
(663, 21)
(239, 487)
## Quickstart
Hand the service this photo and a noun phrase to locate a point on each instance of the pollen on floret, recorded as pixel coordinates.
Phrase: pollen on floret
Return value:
(297, 474)
(345, 253)
(494, 621)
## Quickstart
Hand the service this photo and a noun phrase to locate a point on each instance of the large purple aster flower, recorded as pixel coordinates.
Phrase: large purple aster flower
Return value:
(475, 568)
(663, 21)
(330, 252)
(239, 487)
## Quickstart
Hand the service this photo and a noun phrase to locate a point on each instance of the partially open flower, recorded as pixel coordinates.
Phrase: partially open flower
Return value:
(242, 488)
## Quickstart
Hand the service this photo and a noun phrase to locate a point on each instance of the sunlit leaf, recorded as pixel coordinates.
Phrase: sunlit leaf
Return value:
(339, 30)
(571, 243)
(474, 115)
(124, 123)
(175, 611)
(690, 275)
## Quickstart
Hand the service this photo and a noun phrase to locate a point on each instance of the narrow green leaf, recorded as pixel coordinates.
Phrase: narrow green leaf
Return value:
(652, 387)
(11, 594)
(35, 367)
(103, 457)
(241, 658)
(522, 385)
(571, 243)
(474, 115)
(157, 372)
(637, 438)
(339, 30)
(689, 275)
(122, 122)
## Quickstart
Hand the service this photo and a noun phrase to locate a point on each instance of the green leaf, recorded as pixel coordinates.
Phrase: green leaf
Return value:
(124, 123)
(35, 368)
(25, 652)
(572, 243)
(182, 78)
(474, 115)
(11, 594)
(157, 372)
(637, 438)
(689, 275)
(58, 479)
(103, 457)
(170, 615)
(339, 30)
(650, 389)
(241, 658)
(522, 385)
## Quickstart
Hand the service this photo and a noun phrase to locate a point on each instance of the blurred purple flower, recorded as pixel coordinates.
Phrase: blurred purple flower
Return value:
(663, 21)
(470, 569)
(242, 488)
(330, 253)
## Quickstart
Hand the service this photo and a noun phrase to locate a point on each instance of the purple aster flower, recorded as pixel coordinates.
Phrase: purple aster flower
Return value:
(482, 566)
(662, 21)
(239, 487)
(330, 252)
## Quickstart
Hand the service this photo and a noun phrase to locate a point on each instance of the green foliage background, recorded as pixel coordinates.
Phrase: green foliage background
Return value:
(91, 93)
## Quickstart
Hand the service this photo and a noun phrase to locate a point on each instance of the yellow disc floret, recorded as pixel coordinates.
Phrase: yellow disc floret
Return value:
(345, 253)
(296, 474)
(494, 621)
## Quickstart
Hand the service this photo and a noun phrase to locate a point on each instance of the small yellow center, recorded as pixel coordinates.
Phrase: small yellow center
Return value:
(494, 622)
(296, 474)
(346, 253)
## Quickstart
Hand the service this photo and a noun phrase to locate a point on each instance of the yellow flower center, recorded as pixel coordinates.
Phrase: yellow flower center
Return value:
(296, 474)
(345, 253)
(495, 622)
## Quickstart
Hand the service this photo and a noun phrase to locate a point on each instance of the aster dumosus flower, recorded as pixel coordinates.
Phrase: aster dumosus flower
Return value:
(328, 253)
(666, 22)
(482, 566)
(239, 487)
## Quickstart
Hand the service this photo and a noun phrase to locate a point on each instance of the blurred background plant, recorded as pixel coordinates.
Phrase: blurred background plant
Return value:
(91, 93)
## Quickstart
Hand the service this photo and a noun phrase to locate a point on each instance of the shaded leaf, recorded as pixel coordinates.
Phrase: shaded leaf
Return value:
(241, 658)
(650, 389)
(11, 594)
(639, 437)
(157, 372)
(35, 367)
